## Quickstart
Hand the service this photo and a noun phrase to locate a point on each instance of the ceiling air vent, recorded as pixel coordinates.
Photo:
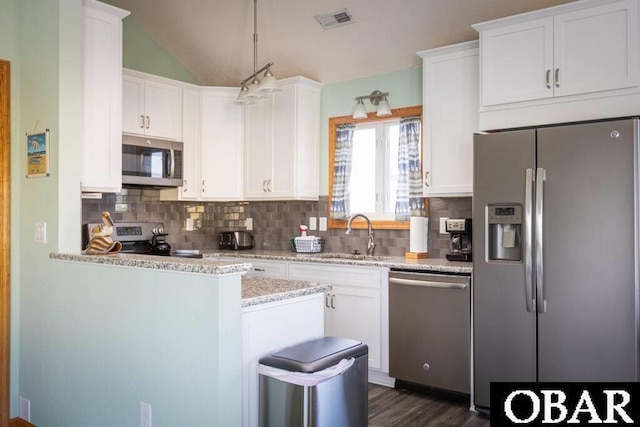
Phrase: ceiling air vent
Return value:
(335, 20)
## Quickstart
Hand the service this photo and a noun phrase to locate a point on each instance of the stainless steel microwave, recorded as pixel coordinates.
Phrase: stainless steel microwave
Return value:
(151, 162)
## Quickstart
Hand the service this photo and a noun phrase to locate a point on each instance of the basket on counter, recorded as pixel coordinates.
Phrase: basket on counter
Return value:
(307, 244)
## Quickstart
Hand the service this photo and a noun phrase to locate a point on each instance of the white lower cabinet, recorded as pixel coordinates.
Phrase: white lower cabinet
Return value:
(356, 307)
(267, 328)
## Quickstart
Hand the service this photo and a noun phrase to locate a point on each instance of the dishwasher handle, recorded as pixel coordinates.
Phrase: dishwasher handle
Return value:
(427, 283)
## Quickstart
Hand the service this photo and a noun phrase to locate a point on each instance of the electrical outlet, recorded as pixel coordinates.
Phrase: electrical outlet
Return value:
(248, 223)
(443, 226)
(313, 223)
(145, 414)
(24, 409)
(323, 223)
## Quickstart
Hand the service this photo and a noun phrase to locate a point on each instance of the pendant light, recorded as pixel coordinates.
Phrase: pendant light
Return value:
(252, 88)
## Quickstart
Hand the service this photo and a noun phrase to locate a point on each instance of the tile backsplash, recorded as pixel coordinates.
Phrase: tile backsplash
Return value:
(195, 225)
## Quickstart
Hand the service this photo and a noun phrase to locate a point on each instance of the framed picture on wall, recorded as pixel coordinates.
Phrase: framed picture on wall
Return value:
(38, 154)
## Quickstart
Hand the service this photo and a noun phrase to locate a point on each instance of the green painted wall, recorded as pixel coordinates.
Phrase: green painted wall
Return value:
(405, 90)
(89, 342)
(142, 53)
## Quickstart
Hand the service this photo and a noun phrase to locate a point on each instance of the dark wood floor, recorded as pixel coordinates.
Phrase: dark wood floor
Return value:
(390, 407)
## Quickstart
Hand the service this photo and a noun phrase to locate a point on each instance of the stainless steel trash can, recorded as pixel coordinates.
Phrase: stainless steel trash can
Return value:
(340, 400)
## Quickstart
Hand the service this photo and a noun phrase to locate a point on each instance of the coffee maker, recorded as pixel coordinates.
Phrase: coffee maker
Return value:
(460, 233)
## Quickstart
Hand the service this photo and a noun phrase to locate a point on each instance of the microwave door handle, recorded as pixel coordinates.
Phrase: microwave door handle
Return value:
(172, 163)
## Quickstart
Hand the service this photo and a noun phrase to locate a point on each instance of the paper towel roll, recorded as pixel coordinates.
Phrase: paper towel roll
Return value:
(418, 234)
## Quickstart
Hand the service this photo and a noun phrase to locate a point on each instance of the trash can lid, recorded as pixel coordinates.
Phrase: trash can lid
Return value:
(316, 355)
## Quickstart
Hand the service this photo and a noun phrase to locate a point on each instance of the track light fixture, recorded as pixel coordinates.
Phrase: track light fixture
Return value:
(252, 88)
(377, 98)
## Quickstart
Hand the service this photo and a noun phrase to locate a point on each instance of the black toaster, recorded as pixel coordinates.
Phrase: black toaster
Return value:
(236, 240)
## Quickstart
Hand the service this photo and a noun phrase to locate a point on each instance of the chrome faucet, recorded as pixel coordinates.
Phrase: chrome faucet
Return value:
(371, 244)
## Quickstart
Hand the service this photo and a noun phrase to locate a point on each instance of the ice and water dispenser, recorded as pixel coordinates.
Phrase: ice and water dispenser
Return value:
(504, 232)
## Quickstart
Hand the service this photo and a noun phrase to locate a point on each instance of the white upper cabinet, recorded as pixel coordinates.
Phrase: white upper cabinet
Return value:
(101, 167)
(596, 49)
(450, 117)
(516, 61)
(559, 64)
(151, 106)
(282, 143)
(221, 163)
(212, 130)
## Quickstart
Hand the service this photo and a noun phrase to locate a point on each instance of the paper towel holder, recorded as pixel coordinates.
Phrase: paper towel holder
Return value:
(418, 238)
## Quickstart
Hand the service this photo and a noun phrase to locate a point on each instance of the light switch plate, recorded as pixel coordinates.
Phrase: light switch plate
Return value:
(41, 232)
(313, 223)
(24, 409)
(248, 223)
(323, 223)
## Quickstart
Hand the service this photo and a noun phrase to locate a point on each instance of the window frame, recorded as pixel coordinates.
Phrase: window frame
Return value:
(334, 122)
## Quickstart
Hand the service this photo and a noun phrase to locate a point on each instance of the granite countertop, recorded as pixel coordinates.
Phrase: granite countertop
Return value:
(261, 290)
(183, 265)
(255, 290)
(430, 264)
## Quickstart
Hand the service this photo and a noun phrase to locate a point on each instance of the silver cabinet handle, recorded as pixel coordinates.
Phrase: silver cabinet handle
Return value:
(427, 283)
(148, 122)
(264, 186)
(549, 79)
(540, 301)
(426, 179)
(269, 186)
(141, 121)
(261, 270)
(185, 186)
(203, 185)
(326, 300)
(528, 232)
(333, 298)
(557, 79)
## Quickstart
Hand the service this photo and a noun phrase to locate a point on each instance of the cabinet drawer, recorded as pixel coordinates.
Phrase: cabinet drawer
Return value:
(336, 275)
(273, 269)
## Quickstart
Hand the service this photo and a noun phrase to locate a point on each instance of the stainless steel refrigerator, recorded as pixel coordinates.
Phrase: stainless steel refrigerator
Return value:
(556, 254)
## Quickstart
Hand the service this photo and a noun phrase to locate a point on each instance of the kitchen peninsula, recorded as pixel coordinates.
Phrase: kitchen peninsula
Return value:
(186, 329)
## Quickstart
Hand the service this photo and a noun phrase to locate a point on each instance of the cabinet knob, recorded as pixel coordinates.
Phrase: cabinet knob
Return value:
(426, 367)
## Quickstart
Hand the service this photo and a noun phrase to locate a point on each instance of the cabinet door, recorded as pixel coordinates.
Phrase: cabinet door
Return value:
(221, 163)
(162, 110)
(517, 62)
(101, 168)
(450, 119)
(133, 120)
(356, 315)
(283, 149)
(257, 148)
(596, 49)
(191, 140)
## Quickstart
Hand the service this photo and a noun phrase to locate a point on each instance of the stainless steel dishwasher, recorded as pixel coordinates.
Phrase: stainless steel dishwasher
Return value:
(430, 330)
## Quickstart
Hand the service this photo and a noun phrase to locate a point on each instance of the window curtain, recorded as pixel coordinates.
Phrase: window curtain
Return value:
(342, 172)
(409, 199)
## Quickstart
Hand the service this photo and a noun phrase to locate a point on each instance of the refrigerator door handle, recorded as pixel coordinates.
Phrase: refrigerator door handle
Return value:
(540, 300)
(528, 217)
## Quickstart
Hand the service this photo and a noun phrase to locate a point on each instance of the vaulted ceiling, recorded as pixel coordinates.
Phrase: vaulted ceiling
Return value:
(214, 38)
